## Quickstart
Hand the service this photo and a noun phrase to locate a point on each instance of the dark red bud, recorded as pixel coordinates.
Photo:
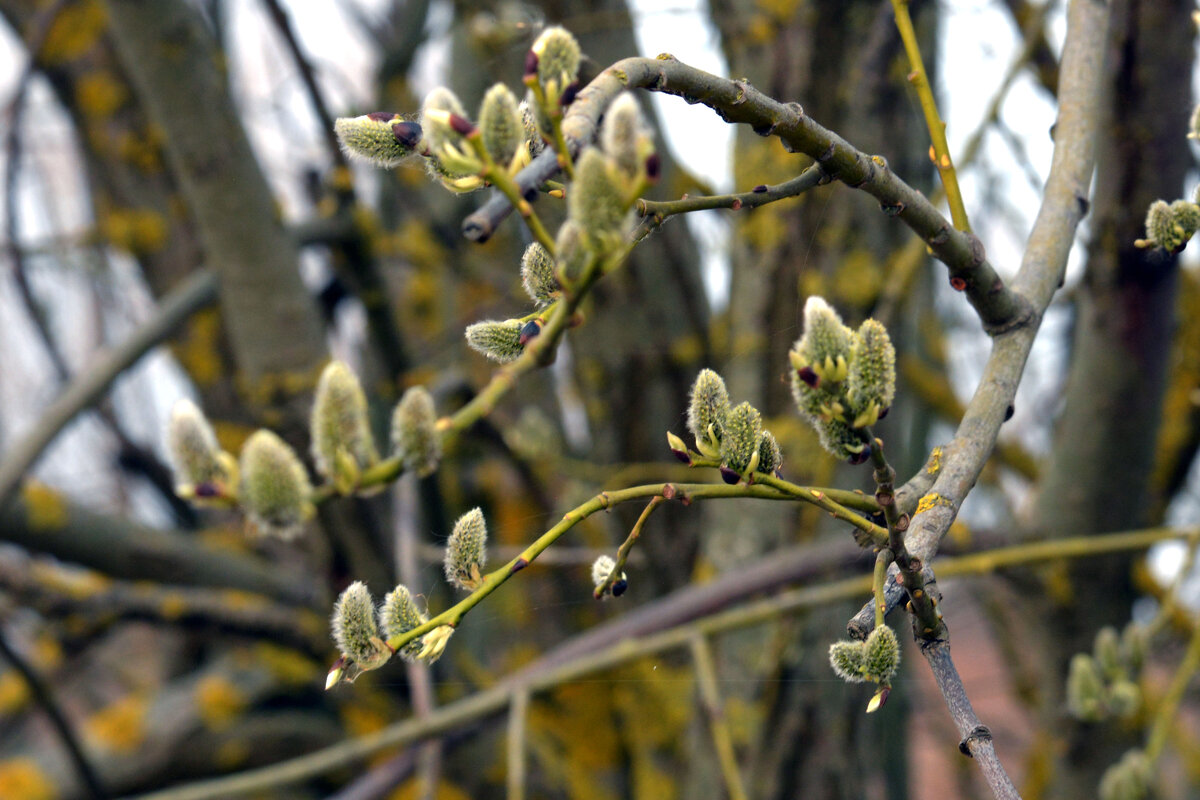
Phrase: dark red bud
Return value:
(518, 565)
(531, 63)
(682, 456)
(958, 284)
(760, 189)
(619, 586)
(407, 133)
(653, 166)
(669, 491)
(207, 490)
(461, 125)
(531, 329)
(569, 94)
(859, 458)
(729, 476)
(809, 376)
(381, 116)
(1008, 413)
(884, 413)
(736, 204)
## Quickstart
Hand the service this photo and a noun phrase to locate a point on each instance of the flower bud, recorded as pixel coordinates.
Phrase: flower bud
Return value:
(770, 457)
(501, 125)
(573, 254)
(741, 438)
(1124, 698)
(381, 139)
(452, 158)
(826, 339)
(707, 410)
(1133, 647)
(274, 489)
(558, 58)
(1085, 689)
(602, 567)
(678, 448)
(415, 439)
(466, 551)
(537, 275)
(355, 632)
(202, 469)
(499, 341)
(871, 379)
(842, 442)
(881, 655)
(624, 136)
(846, 658)
(1186, 218)
(1107, 652)
(595, 201)
(433, 644)
(1128, 779)
(342, 445)
(397, 616)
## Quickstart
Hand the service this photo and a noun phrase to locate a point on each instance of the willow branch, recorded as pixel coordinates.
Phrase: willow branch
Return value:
(518, 712)
(573, 662)
(714, 713)
(758, 196)
(738, 101)
(194, 293)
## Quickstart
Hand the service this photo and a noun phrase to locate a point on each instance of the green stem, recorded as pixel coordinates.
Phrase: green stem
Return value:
(518, 711)
(710, 699)
(883, 560)
(498, 176)
(1167, 708)
(626, 546)
(933, 120)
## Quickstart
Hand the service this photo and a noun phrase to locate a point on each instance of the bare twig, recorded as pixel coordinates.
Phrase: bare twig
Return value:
(710, 701)
(518, 711)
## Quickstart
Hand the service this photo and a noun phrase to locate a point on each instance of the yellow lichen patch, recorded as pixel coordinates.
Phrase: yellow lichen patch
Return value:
(44, 507)
(74, 31)
(119, 727)
(14, 694)
(47, 652)
(858, 279)
(172, 606)
(231, 754)
(99, 94)
(142, 150)
(932, 500)
(198, 348)
(218, 701)
(74, 583)
(934, 465)
(139, 231)
(416, 242)
(287, 666)
(23, 778)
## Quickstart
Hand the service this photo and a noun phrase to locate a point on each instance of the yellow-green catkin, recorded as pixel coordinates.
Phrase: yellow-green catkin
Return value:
(1085, 689)
(398, 615)
(537, 275)
(558, 57)
(534, 127)
(871, 382)
(708, 407)
(342, 444)
(466, 551)
(741, 439)
(624, 135)
(274, 490)
(499, 341)
(770, 456)
(452, 158)
(595, 201)
(202, 469)
(574, 256)
(415, 440)
(881, 655)
(846, 658)
(1128, 779)
(355, 630)
(1106, 649)
(382, 139)
(501, 126)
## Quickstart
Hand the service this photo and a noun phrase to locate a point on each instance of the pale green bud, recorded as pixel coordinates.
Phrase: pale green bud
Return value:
(415, 439)
(466, 551)
(871, 382)
(595, 201)
(501, 125)
(624, 135)
(1107, 652)
(342, 444)
(1085, 689)
(453, 160)
(707, 410)
(1186, 217)
(573, 253)
(770, 457)
(537, 275)
(202, 469)
(1124, 698)
(602, 567)
(433, 644)
(530, 121)
(274, 489)
(1133, 647)
(355, 631)
(1128, 779)
(846, 658)
(881, 655)
(826, 340)
(381, 139)
(841, 441)
(397, 616)
(435, 123)
(558, 57)
(499, 341)
(741, 438)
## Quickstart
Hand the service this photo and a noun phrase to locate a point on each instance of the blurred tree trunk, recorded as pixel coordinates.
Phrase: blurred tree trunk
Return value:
(1099, 473)
(842, 61)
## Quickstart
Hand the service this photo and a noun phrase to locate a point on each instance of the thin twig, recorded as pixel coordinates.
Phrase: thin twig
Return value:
(45, 700)
(623, 551)
(758, 196)
(710, 701)
(518, 712)
(1164, 715)
(194, 293)
(551, 671)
